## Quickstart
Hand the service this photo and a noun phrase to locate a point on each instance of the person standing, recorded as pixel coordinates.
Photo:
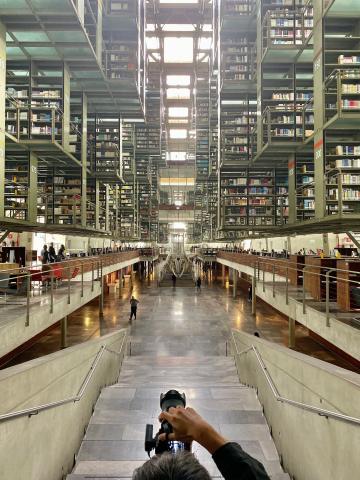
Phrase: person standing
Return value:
(52, 254)
(173, 278)
(198, 284)
(133, 304)
(61, 253)
(44, 255)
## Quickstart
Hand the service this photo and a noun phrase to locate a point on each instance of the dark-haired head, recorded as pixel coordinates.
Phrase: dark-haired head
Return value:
(182, 466)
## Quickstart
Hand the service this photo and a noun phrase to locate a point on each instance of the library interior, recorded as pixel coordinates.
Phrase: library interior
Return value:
(180, 239)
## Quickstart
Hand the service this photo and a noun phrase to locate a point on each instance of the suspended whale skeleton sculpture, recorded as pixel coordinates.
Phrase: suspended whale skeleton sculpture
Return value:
(177, 264)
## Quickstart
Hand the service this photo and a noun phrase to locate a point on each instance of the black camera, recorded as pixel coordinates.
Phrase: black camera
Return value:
(172, 398)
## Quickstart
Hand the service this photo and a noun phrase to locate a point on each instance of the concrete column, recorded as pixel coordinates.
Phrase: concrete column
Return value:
(99, 40)
(66, 107)
(253, 297)
(223, 274)
(235, 274)
(326, 247)
(84, 113)
(107, 194)
(63, 325)
(97, 205)
(2, 113)
(120, 282)
(289, 245)
(131, 276)
(291, 333)
(33, 195)
(292, 188)
(319, 106)
(101, 298)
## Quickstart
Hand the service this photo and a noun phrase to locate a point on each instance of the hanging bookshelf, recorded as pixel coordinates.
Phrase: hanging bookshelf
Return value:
(16, 187)
(305, 187)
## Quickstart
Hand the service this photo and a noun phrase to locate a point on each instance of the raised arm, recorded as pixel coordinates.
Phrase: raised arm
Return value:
(230, 458)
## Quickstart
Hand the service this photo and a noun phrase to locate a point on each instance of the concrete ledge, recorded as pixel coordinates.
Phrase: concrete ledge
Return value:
(43, 446)
(312, 446)
(13, 331)
(343, 336)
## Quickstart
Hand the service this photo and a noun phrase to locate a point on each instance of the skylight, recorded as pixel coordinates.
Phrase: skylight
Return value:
(176, 156)
(178, 50)
(178, 133)
(178, 93)
(178, 80)
(179, 1)
(181, 112)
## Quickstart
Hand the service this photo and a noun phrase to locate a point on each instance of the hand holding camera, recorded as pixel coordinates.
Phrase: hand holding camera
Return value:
(188, 426)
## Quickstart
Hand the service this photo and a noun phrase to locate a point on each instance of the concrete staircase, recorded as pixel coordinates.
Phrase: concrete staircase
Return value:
(114, 442)
(185, 281)
(178, 341)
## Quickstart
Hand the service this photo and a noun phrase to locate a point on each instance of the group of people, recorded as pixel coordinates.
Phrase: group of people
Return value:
(48, 255)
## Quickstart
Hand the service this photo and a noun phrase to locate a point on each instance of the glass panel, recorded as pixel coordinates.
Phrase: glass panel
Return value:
(178, 50)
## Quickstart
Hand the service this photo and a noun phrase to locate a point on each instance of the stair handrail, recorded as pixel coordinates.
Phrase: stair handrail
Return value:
(75, 398)
(304, 406)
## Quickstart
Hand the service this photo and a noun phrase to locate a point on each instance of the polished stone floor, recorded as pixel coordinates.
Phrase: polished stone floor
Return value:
(178, 341)
(223, 313)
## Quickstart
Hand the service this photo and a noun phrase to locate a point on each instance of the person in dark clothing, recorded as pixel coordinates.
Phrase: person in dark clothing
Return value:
(173, 278)
(232, 461)
(250, 293)
(133, 305)
(52, 254)
(198, 284)
(61, 253)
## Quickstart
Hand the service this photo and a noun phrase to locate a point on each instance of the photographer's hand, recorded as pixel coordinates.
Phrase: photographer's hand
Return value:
(188, 425)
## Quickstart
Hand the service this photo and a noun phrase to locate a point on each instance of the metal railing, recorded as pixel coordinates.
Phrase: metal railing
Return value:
(294, 28)
(341, 88)
(342, 191)
(278, 397)
(18, 282)
(74, 398)
(320, 282)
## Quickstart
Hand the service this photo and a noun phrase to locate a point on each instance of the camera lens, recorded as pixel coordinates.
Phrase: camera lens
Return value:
(172, 398)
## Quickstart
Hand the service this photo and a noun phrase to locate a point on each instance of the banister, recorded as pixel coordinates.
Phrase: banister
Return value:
(75, 398)
(304, 406)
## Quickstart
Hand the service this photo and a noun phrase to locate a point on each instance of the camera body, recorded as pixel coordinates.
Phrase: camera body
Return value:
(170, 399)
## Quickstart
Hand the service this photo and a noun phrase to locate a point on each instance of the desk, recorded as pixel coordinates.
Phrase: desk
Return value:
(296, 265)
(348, 294)
(314, 277)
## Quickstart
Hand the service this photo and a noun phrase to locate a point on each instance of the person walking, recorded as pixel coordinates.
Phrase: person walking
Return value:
(173, 278)
(133, 304)
(198, 284)
(250, 293)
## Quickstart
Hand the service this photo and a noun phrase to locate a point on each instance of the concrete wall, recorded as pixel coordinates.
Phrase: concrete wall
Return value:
(312, 447)
(42, 447)
(343, 336)
(13, 331)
